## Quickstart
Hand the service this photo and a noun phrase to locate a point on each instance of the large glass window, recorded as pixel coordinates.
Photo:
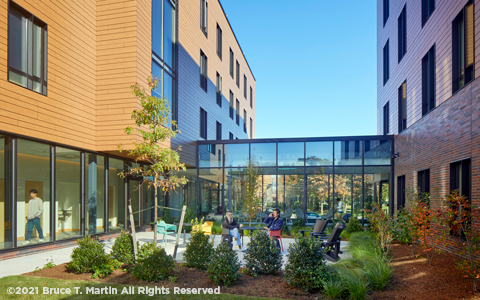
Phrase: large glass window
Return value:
(291, 191)
(428, 81)
(33, 209)
(319, 153)
(348, 193)
(209, 158)
(462, 48)
(268, 181)
(116, 195)
(265, 154)
(236, 155)
(210, 191)
(67, 188)
(378, 152)
(320, 191)
(377, 188)
(386, 63)
(6, 232)
(291, 154)
(94, 194)
(27, 49)
(348, 152)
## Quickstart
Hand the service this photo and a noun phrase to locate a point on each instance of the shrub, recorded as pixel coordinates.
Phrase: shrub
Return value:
(354, 225)
(378, 271)
(285, 231)
(403, 226)
(306, 267)
(122, 249)
(198, 251)
(263, 256)
(147, 249)
(333, 287)
(297, 223)
(89, 254)
(104, 270)
(155, 265)
(356, 283)
(224, 265)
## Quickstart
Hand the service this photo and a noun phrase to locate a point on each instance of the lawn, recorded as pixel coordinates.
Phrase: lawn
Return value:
(35, 284)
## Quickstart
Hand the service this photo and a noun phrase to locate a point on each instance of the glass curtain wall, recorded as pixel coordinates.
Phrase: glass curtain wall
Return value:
(210, 191)
(320, 191)
(94, 194)
(6, 228)
(291, 192)
(348, 192)
(33, 174)
(116, 195)
(68, 191)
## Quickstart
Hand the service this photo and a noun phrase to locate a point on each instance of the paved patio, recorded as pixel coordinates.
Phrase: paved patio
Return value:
(25, 264)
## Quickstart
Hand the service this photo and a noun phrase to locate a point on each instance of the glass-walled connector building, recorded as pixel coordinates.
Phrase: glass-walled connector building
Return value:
(304, 177)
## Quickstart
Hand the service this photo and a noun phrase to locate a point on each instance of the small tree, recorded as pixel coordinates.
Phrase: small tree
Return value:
(251, 200)
(456, 216)
(155, 126)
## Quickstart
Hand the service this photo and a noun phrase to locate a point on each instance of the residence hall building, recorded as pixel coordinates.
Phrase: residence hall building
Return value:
(428, 95)
(66, 68)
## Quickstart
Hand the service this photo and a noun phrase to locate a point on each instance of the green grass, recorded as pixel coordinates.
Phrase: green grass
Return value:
(41, 282)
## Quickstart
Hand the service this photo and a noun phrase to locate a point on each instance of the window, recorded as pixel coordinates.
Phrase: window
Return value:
(386, 118)
(203, 123)
(386, 9)
(251, 97)
(245, 86)
(402, 33)
(462, 48)
(367, 146)
(347, 149)
(460, 177)
(357, 149)
(219, 90)
(238, 112)
(27, 50)
(230, 136)
(251, 128)
(424, 181)
(231, 105)
(428, 6)
(204, 16)
(386, 64)
(402, 107)
(219, 131)
(428, 81)
(231, 63)
(400, 192)
(219, 41)
(245, 121)
(238, 74)
(203, 71)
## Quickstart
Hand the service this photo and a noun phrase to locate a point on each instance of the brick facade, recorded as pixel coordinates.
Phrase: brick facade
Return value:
(446, 134)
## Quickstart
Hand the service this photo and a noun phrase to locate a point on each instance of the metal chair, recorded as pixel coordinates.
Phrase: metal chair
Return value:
(164, 228)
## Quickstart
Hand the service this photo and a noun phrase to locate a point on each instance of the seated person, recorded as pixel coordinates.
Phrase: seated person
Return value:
(231, 224)
(274, 222)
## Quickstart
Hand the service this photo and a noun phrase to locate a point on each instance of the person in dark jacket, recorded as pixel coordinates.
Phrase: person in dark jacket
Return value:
(274, 222)
(231, 224)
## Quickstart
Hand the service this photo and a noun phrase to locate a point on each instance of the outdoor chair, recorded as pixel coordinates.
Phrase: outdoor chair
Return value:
(332, 244)
(207, 228)
(318, 229)
(260, 216)
(287, 216)
(227, 238)
(277, 235)
(328, 215)
(164, 228)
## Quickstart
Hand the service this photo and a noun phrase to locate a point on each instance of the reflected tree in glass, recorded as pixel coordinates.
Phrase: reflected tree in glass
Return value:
(252, 187)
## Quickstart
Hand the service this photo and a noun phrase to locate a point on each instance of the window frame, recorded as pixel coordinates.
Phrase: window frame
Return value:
(402, 33)
(402, 107)
(423, 181)
(386, 118)
(245, 86)
(232, 63)
(251, 97)
(237, 117)
(219, 90)
(400, 192)
(219, 41)
(427, 10)
(386, 62)
(238, 73)
(15, 9)
(428, 83)
(386, 11)
(463, 72)
(204, 17)
(203, 71)
(245, 120)
(203, 123)
(251, 128)
(232, 97)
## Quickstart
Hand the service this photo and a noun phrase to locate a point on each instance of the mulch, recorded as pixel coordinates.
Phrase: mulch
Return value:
(412, 279)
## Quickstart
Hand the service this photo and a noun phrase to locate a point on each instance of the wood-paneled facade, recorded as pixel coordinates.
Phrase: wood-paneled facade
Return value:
(96, 50)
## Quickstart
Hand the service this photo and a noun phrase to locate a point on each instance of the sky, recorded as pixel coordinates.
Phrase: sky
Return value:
(314, 62)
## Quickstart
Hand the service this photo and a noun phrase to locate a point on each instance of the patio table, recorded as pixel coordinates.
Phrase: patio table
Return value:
(184, 230)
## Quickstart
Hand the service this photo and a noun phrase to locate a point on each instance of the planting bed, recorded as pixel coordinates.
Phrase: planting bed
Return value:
(412, 279)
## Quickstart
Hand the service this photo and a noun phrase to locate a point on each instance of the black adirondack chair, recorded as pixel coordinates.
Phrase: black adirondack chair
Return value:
(318, 229)
(332, 244)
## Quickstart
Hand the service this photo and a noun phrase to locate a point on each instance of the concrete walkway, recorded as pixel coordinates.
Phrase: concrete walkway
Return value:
(25, 264)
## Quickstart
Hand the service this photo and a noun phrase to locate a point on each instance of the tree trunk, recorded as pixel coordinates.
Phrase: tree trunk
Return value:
(155, 213)
(250, 222)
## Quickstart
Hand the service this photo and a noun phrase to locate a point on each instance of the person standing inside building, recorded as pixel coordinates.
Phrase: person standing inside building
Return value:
(35, 210)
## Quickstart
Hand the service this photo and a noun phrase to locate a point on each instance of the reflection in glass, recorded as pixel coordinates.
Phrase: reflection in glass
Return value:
(157, 20)
(265, 153)
(291, 154)
(348, 152)
(348, 192)
(6, 232)
(291, 192)
(268, 181)
(234, 191)
(68, 193)
(33, 172)
(378, 152)
(169, 43)
(236, 155)
(320, 191)
(319, 153)
(134, 192)
(116, 195)
(210, 156)
(184, 195)
(210, 190)
(377, 188)
(94, 193)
